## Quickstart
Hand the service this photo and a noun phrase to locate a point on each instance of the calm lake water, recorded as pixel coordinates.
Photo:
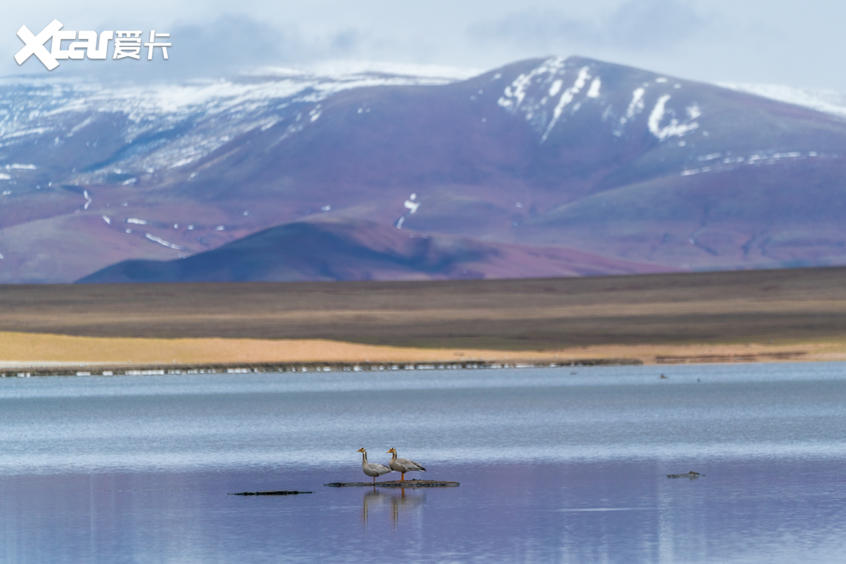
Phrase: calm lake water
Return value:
(555, 465)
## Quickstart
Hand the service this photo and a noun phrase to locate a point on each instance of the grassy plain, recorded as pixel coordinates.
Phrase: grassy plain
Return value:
(751, 315)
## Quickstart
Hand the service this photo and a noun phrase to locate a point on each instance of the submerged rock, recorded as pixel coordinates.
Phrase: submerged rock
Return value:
(276, 492)
(396, 484)
(692, 475)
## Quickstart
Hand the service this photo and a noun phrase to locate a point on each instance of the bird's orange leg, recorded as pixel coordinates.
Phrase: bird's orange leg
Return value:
(402, 479)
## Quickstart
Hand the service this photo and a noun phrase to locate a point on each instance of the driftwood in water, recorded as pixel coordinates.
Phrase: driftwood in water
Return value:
(396, 484)
(691, 475)
(277, 492)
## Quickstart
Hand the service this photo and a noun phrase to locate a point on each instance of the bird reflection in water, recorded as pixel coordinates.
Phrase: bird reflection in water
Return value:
(399, 503)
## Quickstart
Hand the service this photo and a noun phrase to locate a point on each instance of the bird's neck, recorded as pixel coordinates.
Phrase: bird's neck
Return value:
(393, 456)
(364, 458)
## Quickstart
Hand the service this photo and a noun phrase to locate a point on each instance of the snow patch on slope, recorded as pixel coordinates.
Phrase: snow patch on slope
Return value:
(541, 97)
(718, 162)
(515, 93)
(828, 101)
(566, 98)
(674, 128)
(412, 204)
(636, 106)
(595, 86)
(162, 242)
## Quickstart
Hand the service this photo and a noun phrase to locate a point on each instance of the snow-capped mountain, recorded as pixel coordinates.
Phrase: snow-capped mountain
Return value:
(638, 170)
(63, 142)
(151, 128)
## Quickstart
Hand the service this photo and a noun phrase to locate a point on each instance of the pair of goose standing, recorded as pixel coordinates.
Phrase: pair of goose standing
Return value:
(401, 465)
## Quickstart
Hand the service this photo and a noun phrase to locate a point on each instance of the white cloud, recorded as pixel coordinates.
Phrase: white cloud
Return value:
(773, 41)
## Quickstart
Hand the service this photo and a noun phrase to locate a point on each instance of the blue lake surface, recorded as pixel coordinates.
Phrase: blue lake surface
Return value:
(555, 465)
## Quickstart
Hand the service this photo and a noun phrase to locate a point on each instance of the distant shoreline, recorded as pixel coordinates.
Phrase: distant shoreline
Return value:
(44, 354)
(80, 369)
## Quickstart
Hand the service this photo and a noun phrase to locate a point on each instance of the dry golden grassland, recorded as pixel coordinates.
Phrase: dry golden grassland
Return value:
(36, 349)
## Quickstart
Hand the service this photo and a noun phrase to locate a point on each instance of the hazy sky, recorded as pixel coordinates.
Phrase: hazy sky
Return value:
(775, 41)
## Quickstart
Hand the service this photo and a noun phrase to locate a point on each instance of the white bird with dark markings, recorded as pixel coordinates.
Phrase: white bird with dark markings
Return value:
(372, 469)
(403, 465)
